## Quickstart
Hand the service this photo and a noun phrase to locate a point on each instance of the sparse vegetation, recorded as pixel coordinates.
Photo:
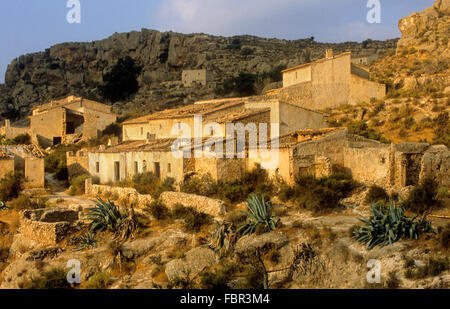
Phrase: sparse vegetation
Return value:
(98, 281)
(149, 183)
(11, 185)
(423, 198)
(318, 195)
(255, 181)
(158, 210)
(376, 194)
(77, 185)
(54, 279)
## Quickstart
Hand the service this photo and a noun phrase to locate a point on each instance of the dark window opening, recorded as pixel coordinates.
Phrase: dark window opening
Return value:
(157, 169)
(57, 141)
(97, 167)
(116, 171)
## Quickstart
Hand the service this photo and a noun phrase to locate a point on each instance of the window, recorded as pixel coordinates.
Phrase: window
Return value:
(136, 167)
(142, 131)
(157, 169)
(169, 168)
(97, 167)
(144, 166)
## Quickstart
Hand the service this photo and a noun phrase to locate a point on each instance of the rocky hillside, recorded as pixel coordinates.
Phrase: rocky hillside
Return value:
(417, 75)
(78, 68)
(422, 61)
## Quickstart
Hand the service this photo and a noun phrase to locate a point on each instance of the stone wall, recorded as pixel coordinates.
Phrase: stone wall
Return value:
(47, 226)
(77, 162)
(127, 195)
(6, 166)
(203, 204)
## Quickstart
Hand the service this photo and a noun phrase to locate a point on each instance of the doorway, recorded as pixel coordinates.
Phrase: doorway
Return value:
(117, 171)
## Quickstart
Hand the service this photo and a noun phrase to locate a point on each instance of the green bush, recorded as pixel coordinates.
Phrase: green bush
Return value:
(433, 267)
(55, 279)
(11, 185)
(99, 281)
(23, 202)
(361, 128)
(444, 237)
(158, 210)
(423, 197)
(319, 195)
(255, 181)
(193, 220)
(77, 186)
(22, 139)
(149, 183)
(121, 81)
(376, 194)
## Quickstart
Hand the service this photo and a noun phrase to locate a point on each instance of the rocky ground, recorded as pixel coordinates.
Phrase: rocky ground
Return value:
(163, 255)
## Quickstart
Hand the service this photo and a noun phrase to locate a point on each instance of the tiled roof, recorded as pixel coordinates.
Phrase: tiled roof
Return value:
(187, 111)
(317, 61)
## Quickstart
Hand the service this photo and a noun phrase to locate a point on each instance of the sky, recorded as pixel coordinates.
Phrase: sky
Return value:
(34, 25)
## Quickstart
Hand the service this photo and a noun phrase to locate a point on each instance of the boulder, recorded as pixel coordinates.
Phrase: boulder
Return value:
(195, 261)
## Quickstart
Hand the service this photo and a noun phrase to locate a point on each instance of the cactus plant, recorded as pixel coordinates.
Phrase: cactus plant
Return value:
(104, 216)
(87, 241)
(388, 225)
(259, 214)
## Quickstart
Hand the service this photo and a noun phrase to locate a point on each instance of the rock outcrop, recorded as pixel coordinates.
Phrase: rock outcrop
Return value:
(77, 68)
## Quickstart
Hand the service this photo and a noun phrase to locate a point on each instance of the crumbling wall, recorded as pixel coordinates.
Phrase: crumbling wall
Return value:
(47, 226)
(436, 164)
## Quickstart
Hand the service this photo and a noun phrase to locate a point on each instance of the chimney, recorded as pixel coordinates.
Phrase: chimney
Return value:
(329, 54)
(151, 138)
(113, 141)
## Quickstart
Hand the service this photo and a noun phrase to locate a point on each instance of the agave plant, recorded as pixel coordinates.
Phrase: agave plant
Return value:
(87, 242)
(259, 213)
(388, 225)
(3, 206)
(105, 216)
(223, 237)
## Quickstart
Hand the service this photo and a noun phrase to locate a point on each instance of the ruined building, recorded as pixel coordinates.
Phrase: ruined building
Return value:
(328, 83)
(27, 159)
(63, 121)
(147, 141)
(191, 78)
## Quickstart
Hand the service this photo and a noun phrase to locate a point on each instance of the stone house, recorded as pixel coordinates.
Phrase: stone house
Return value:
(324, 151)
(28, 159)
(147, 141)
(69, 119)
(191, 78)
(366, 60)
(328, 83)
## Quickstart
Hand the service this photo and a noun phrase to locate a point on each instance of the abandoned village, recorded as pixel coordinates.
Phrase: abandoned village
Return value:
(340, 160)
